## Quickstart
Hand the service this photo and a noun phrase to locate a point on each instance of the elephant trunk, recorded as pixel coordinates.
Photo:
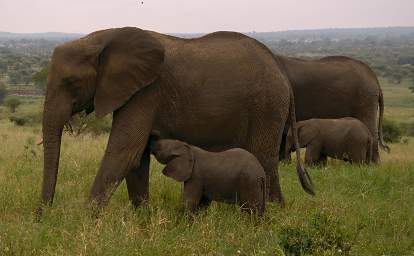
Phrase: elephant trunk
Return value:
(56, 114)
(304, 177)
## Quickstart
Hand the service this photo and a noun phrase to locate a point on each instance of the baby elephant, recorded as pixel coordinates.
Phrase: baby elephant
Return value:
(232, 176)
(345, 139)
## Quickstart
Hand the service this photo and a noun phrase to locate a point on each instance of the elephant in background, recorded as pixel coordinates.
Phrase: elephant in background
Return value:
(188, 89)
(346, 139)
(335, 87)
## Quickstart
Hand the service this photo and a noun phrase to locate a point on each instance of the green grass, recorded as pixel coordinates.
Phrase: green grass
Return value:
(370, 207)
(366, 210)
(399, 101)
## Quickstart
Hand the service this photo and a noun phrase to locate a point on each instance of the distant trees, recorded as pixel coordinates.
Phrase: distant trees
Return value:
(3, 92)
(20, 76)
(13, 103)
(40, 78)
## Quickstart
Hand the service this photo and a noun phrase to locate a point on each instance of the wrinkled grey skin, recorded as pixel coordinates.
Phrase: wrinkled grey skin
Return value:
(335, 87)
(346, 139)
(231, 176)
(188, 89)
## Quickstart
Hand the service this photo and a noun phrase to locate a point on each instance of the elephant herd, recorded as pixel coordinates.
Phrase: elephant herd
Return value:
(221, 91)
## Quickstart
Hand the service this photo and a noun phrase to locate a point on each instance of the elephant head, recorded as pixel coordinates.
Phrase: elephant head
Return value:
(100, 72)
(177, 156)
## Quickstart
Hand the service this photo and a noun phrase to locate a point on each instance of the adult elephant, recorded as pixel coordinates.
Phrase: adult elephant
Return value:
(336, 87)
(187, 89)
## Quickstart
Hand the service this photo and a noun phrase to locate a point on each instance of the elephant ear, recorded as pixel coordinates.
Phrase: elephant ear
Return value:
(181, 167)
(307, 131)
(130, 60)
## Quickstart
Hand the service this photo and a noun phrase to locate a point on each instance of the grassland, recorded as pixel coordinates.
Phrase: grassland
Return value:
(358, 210)
(399, 101)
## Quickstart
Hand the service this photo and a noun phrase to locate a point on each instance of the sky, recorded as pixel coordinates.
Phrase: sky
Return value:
(173, 16)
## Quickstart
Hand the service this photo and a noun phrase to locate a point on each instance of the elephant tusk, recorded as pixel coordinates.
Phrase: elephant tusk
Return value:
(40, 142)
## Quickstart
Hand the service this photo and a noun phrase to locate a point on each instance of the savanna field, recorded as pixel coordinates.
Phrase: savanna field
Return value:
(357, 210)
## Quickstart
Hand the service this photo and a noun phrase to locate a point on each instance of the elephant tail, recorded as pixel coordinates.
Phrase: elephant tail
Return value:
(380, 121)
(304, 178)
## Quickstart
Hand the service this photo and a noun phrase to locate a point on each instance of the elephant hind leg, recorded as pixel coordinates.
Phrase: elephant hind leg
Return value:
(368, 116)
(358, 156)
(262, 145)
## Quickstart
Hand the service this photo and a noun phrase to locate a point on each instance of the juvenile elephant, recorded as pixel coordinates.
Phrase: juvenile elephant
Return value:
(336, 87)
(345, 139)
(188, 89)
(232, 176)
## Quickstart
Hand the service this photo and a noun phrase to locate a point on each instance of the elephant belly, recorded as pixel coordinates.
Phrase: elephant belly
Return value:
(222, 193)
(312, 105)
(218, 129)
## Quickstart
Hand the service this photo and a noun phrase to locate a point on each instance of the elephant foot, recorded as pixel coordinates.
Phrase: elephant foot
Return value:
(273, 197)
(139, 202)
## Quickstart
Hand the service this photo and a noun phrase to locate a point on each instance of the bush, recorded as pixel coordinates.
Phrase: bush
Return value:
(18, 120)
(83, 123)
(13, 103)
(322, 235)
(28, 119)
(99, 126)
(392, 131)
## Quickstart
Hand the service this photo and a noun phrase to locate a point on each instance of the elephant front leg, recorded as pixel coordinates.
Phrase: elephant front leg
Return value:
(131, 127)
(137, 181)
(116, 164)
(312, 155)
(192, 195)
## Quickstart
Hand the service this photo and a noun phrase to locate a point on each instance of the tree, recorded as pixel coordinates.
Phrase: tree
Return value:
(12, 103)
(40, 78)
(3, 92)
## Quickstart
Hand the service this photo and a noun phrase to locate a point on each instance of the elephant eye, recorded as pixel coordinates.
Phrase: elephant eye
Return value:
(70, 80)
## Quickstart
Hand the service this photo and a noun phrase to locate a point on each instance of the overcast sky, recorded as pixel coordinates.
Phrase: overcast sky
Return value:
(201, 15)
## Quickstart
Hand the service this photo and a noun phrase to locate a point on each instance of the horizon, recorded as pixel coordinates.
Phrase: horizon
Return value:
(197, 32)
(186, 16)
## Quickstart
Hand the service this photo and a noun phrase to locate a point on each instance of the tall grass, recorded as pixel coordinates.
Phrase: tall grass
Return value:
(368, 209)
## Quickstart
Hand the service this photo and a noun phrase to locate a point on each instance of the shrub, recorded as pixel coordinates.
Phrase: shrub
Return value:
(13, 103)
(83, 123)
(27, 119)
(99, 126)
(18, 120)
(392, 131)
(322, 235)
